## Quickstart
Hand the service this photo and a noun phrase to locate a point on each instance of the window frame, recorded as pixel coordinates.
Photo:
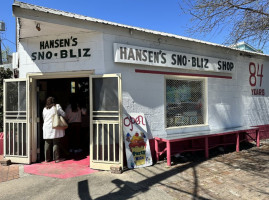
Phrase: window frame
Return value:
(205, 100)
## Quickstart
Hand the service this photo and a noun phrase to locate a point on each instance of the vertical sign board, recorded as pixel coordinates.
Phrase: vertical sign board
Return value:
(136, 141)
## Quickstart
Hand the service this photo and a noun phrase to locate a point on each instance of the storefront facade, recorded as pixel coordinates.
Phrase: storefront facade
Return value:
(180, 85)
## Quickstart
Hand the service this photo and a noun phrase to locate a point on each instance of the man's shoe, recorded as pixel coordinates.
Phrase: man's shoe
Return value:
(60, 160)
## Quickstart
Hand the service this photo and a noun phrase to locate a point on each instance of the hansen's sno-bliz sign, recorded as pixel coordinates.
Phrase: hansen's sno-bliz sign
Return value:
(60, 49)
(156, 57)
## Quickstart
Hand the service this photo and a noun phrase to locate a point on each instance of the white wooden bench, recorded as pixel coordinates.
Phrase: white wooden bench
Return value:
(205, 135)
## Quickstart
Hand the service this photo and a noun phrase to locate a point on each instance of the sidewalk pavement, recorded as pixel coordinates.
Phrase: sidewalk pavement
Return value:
(8, 173)
(229, 175)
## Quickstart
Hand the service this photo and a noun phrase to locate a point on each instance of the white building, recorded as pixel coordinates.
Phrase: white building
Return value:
(180, 84)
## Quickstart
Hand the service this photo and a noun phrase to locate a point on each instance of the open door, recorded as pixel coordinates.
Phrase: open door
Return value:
(16, 133)
(106, 140)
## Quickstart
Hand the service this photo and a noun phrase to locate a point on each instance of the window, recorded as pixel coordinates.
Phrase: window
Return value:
(185, 105)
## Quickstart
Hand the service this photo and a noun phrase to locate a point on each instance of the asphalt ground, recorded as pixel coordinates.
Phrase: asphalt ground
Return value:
(226, 175)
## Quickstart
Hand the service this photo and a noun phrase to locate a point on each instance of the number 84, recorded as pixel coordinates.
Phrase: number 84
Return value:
(255, 72)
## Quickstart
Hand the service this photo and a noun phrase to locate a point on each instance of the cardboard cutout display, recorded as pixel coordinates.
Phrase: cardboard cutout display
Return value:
(137, 147)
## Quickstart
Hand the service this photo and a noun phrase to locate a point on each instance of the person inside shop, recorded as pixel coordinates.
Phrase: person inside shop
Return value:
(73, 117)
(85, 133)
(52, 136)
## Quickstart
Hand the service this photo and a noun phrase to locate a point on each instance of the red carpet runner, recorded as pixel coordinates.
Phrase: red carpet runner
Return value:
(65, 169)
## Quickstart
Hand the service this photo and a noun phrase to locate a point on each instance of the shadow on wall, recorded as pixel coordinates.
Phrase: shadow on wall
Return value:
(149, 133)
(144, 93)
(244, 111)
(224, 115)
(258, 110)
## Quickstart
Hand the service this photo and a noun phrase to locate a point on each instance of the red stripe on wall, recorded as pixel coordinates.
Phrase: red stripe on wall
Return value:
(181, 74)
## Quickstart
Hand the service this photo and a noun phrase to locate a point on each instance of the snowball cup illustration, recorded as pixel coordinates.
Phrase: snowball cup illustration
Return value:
(136, 141)
(138, 148)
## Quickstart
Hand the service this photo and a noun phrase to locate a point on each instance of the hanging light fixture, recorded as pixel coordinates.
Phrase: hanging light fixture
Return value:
(38, 27)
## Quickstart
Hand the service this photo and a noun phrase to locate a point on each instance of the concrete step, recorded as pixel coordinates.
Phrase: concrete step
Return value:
(4, 161)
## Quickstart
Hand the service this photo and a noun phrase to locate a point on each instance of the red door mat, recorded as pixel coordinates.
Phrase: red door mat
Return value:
(65, 169)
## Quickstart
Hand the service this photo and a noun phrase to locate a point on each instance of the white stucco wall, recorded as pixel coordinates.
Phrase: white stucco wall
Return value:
(230, 101)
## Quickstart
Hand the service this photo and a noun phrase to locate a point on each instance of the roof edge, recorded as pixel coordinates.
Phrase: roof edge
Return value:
(95, 20)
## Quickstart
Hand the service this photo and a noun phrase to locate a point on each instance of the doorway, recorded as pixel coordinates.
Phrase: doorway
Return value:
(63, 89)
(101, 95)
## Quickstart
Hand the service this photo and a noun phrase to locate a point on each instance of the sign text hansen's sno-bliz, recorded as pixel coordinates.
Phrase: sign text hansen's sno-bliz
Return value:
(147, 56)
(70, 49)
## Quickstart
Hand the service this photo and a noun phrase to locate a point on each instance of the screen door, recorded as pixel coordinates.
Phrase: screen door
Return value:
(16, 136)
(106, 129)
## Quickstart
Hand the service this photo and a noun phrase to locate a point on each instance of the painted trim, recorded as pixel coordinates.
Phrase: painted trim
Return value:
(180, 74)
(56, 75)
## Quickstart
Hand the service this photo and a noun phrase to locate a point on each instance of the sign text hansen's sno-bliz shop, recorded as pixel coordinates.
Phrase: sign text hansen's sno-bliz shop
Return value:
(147, 56)
(67, 48)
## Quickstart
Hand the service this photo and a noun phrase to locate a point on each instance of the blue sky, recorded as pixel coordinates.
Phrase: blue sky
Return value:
(156, 15)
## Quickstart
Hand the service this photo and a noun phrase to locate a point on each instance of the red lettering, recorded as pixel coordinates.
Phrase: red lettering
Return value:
(129, 121)
(140, 119)
(260, 74)
(252, 73)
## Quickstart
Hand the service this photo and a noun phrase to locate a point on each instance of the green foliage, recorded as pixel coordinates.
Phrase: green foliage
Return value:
(260, 51)
(4, 74)
(5, 56)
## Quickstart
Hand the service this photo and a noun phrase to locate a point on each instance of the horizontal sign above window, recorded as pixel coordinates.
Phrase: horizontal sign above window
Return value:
(156, 57)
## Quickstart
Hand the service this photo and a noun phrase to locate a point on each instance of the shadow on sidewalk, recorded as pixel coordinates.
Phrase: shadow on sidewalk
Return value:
(126, 189)
(252, 159)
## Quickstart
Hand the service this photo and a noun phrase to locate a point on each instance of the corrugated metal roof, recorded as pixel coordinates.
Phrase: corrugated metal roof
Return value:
(90, 19)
